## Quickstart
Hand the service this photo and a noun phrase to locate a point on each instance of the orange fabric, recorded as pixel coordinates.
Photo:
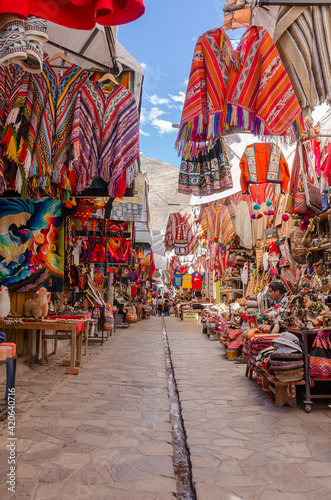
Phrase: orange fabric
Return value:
(262, 163)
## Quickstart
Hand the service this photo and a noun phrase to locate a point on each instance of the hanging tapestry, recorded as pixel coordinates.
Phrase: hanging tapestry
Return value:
(92, 249)
(144, 260)
(119, 251)
(31, 244)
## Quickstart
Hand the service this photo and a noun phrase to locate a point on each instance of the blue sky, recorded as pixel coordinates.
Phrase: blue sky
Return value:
(163, 41)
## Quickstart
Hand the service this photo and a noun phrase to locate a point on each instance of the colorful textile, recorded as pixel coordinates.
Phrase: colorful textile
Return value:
(181, 234)
(178, 280)
(263, 163)
(320, 356)
(207, 174)
(242, 224)
(120, 139)
(119, 251)
(32, 244)
(303, 38)
(288, 267)
(187, 281)
(230, 91)
(196, 282)
(37, 127)
(217, 224)
(144, 260)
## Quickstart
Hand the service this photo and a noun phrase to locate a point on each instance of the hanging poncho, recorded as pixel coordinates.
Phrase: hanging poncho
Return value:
(231, 91)
(105, 138)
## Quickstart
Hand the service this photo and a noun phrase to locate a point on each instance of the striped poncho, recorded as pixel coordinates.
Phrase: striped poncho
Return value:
(181, 234)
(105, 138)
(38, 124)
(231, 91)
(217, 224)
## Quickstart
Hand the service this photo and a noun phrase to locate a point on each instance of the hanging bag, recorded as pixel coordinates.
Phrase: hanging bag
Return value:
(311, 192)
(108, 323)
(320, 356)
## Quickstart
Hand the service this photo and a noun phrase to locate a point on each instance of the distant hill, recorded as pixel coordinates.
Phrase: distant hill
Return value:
(163, 197)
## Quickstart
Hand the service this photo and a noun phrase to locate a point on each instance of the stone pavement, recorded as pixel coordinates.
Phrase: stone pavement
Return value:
(105, 434)
(241, 445)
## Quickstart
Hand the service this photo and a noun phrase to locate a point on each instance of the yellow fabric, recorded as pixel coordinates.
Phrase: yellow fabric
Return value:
(187, 281)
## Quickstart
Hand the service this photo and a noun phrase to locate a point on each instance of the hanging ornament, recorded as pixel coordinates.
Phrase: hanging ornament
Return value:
(285, 217)
(256, 215)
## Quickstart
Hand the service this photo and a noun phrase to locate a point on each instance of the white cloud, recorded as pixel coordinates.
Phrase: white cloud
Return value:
(143, 65)
(143, 116)
(154, 113)
(146, 134)
(156, 100)
(193, 39)
(178, 98)
(163, 126)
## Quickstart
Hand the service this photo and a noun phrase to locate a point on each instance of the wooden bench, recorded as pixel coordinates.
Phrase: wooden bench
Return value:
(277, 390)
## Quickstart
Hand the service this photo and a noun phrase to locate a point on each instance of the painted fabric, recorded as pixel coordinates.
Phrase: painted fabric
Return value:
(187, 281)
(262, 163)
(119, 251)
(31, 244)
(207, 174)
(178, 280)
(181, 234)
(144, 260)
(196, 282)
(230, 91)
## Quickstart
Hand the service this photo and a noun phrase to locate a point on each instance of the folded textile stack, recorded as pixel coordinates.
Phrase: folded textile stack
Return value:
(260, 347)
(286, 362)
(209, 319)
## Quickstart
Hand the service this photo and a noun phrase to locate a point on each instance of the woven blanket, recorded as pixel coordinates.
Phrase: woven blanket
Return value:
(285, 365)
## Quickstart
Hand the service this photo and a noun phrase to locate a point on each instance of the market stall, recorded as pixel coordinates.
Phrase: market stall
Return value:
(263, 241)
(62, 166)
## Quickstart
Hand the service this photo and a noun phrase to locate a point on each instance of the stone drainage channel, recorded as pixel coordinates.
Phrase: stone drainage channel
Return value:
(181, 457)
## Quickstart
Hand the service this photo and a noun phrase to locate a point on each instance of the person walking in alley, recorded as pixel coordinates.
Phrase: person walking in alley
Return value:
(160, 306)
(154, 306)
(166, 307)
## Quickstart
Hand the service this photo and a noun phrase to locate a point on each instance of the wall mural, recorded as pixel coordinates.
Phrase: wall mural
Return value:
(31, 244)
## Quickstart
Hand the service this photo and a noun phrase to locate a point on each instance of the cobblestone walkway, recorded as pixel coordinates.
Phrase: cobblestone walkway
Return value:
(241, 445)
(105, 434)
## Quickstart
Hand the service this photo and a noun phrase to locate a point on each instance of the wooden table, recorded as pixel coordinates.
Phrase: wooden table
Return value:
(67, 326)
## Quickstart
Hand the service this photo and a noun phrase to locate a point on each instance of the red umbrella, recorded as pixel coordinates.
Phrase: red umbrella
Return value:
(78, 14)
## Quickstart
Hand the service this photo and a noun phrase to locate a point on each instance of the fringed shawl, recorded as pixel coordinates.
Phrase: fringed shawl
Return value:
(232, 91)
